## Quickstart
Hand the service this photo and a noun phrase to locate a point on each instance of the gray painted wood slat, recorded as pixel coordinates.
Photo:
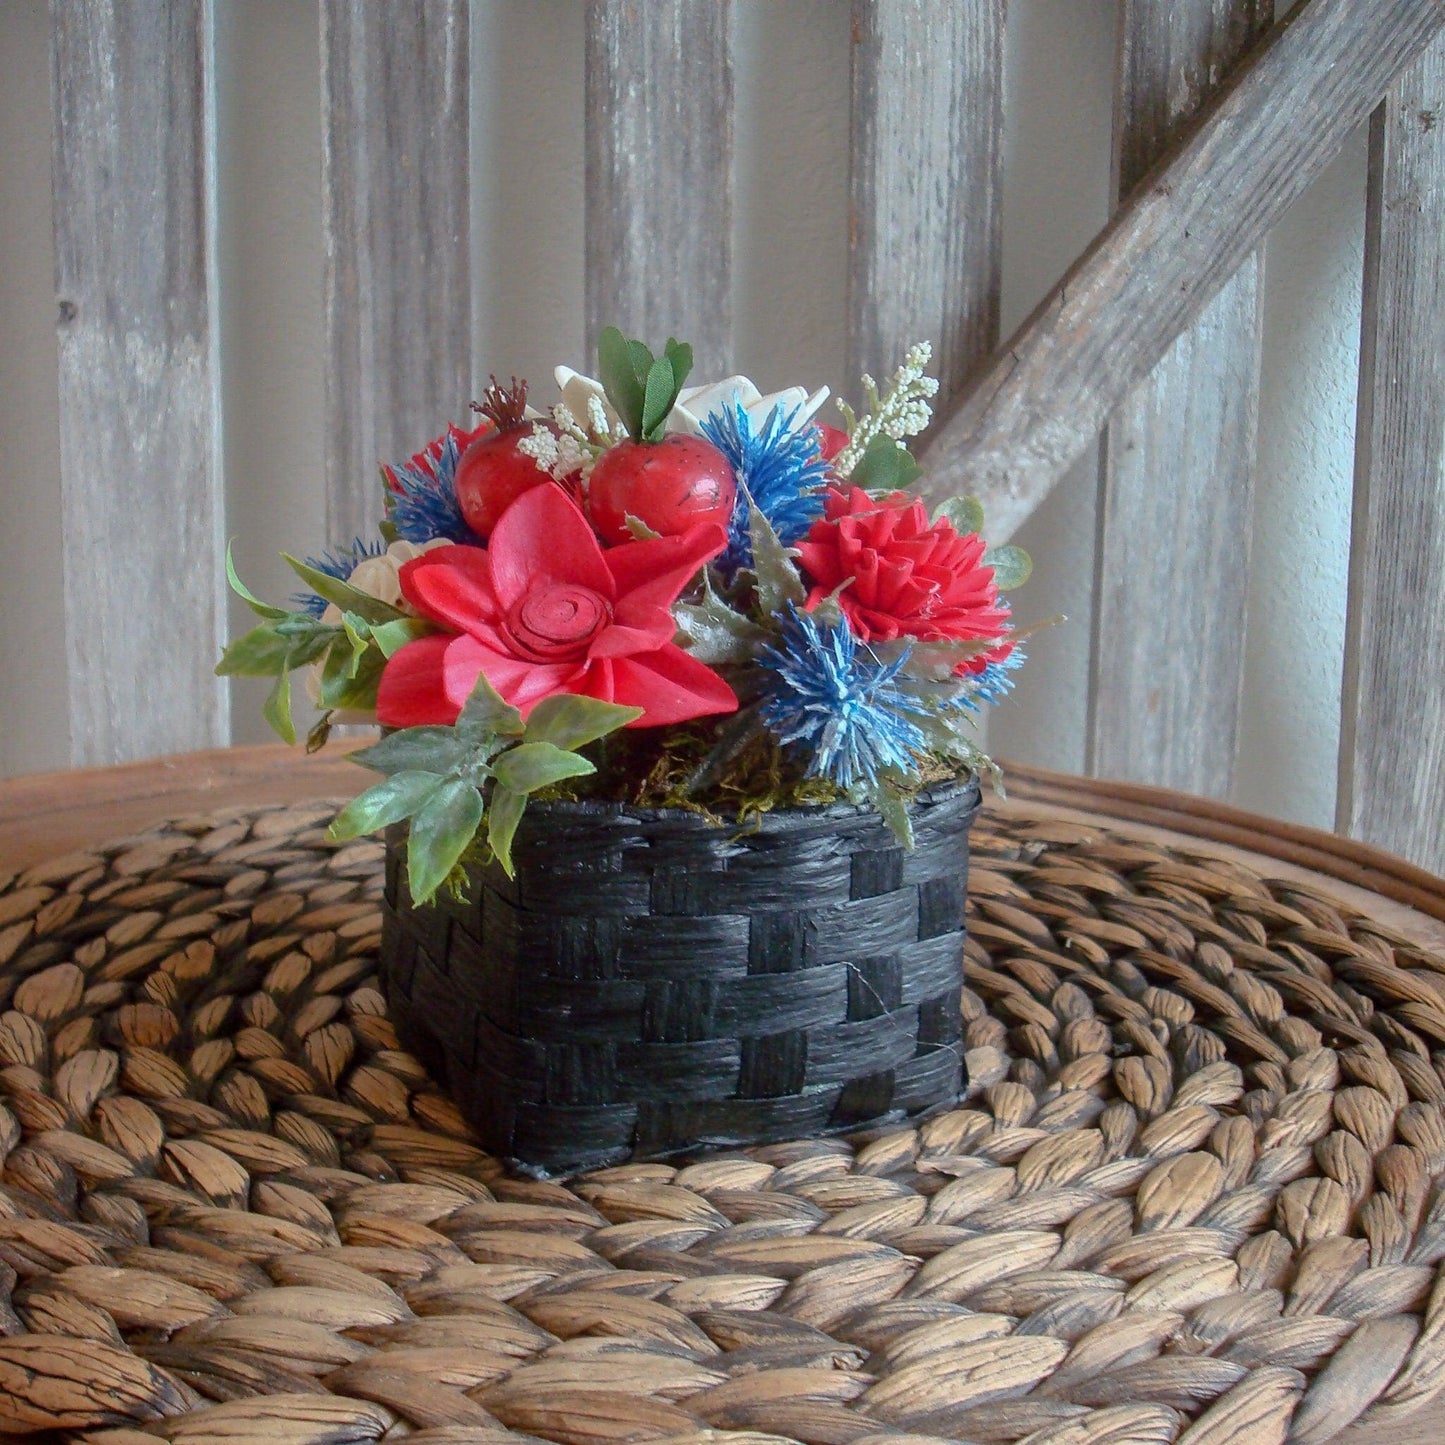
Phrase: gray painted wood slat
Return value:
(1392, 776)
(140, 488)
(1187, 228)
(659, 170)
(1177, 482)
(396, 202)
(925, 230)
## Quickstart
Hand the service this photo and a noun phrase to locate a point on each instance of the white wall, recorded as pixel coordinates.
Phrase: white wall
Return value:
(791, 250)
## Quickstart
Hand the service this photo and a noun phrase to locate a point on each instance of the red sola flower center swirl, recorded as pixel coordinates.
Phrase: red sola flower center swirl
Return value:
(556, 622)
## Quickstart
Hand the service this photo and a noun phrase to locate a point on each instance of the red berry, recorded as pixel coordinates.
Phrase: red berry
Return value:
(491, 475)
(669, 486)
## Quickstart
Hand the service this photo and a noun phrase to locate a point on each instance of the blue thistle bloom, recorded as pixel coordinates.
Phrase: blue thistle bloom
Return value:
(840, 703)
(335, 564)
(993, 683)
(782, 469)
(424, 500)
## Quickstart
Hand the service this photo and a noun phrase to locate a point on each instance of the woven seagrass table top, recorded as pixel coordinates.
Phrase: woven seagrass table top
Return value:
(1195, 1193)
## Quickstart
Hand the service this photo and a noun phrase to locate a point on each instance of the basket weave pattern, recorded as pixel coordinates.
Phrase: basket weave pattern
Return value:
(650, 981)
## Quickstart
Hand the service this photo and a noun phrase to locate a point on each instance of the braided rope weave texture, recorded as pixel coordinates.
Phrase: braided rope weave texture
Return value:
(1191, 1197)
(649, 980)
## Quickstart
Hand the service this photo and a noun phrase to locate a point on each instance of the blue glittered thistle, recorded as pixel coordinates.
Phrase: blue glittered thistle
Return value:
(423, 496)
(839, 704)
(782, 469)
(335, 564)
(994, 683)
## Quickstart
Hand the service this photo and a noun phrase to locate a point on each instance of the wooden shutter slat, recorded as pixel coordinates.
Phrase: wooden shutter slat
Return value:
(1184, 232)
(1392, 782)
(140, 478)
(927, 152)
(1177, 482)
(660, 175)
(396, 223)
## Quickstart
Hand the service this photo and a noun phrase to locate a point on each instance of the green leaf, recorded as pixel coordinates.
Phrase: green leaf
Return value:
(486, 713)
(439, 834)
(679, 353)
(503, 816)
(778, 580)
(320, 732)
(1012, 566)
(894, 812)
(277, 708)
(351, 680)
(570, 722)
(624, 385)
(391, 800)
(658, 396)
(343, 594)
(433, 749)
(529, 766)
(885, 466)
(714, 632)
(641, 532)
(391, 637)
(262, 652)
(966, 514)
(261, 609)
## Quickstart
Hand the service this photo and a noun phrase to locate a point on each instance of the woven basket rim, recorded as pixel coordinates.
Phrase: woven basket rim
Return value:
(774, 820)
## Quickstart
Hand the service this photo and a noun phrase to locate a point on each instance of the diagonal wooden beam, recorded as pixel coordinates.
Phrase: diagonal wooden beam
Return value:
(1151, 272)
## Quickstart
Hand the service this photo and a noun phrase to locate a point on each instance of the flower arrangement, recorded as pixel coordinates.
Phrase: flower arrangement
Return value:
(656, 594)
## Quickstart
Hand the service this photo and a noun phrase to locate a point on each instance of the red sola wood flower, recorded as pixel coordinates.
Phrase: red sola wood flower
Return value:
(544, 610)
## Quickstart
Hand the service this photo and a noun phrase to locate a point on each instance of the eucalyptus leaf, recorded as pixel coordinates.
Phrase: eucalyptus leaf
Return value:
(570, 722)
(391, 800)
(277, 708)
(503, 815)
(439, 834)
(966, 514)
(343, 594)
(778, 580)
(624, 386)
(885, 466)
(262, 652)
(261, 609)
(391, 637)
(1012, 566)
(486, 713)
(530, 766)
(431, 749)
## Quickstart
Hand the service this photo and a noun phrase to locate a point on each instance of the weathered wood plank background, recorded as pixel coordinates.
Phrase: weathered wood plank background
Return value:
(1172, 563)
(139, 384)
(926, 218)
(396, 202)
(660, 174)
(1392, 779)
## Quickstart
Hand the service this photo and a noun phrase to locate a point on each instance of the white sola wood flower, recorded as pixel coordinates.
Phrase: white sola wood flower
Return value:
(582, 395)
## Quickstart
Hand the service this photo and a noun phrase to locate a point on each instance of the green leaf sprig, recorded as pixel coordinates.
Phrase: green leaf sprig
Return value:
(641, 387)
(446, 781)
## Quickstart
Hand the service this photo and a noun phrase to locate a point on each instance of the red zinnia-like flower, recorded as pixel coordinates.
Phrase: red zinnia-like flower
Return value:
(426, 459)
(907, 576)
(545, 610)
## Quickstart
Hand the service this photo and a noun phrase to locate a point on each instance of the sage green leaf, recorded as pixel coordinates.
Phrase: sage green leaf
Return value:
(623, 383)
(714, 632)
(354, 681)
(343, 594)
(679, 354)
(778, 580)
(262, 652)
(1012, 566)
(503, 816)
(391, 637)
(529, 766)
(658, 396)
(486, 713)
(277, 708)
(894, 812)
(570, 722)
(885, 466)
(261, 609)
(431, 749)
(391, 800)
(966, 514)
(439, 834)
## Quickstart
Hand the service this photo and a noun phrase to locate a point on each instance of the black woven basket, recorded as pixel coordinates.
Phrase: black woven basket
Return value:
(651, 983)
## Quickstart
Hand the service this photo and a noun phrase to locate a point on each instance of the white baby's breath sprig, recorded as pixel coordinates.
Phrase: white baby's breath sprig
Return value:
(560, 454)
(902, 411)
